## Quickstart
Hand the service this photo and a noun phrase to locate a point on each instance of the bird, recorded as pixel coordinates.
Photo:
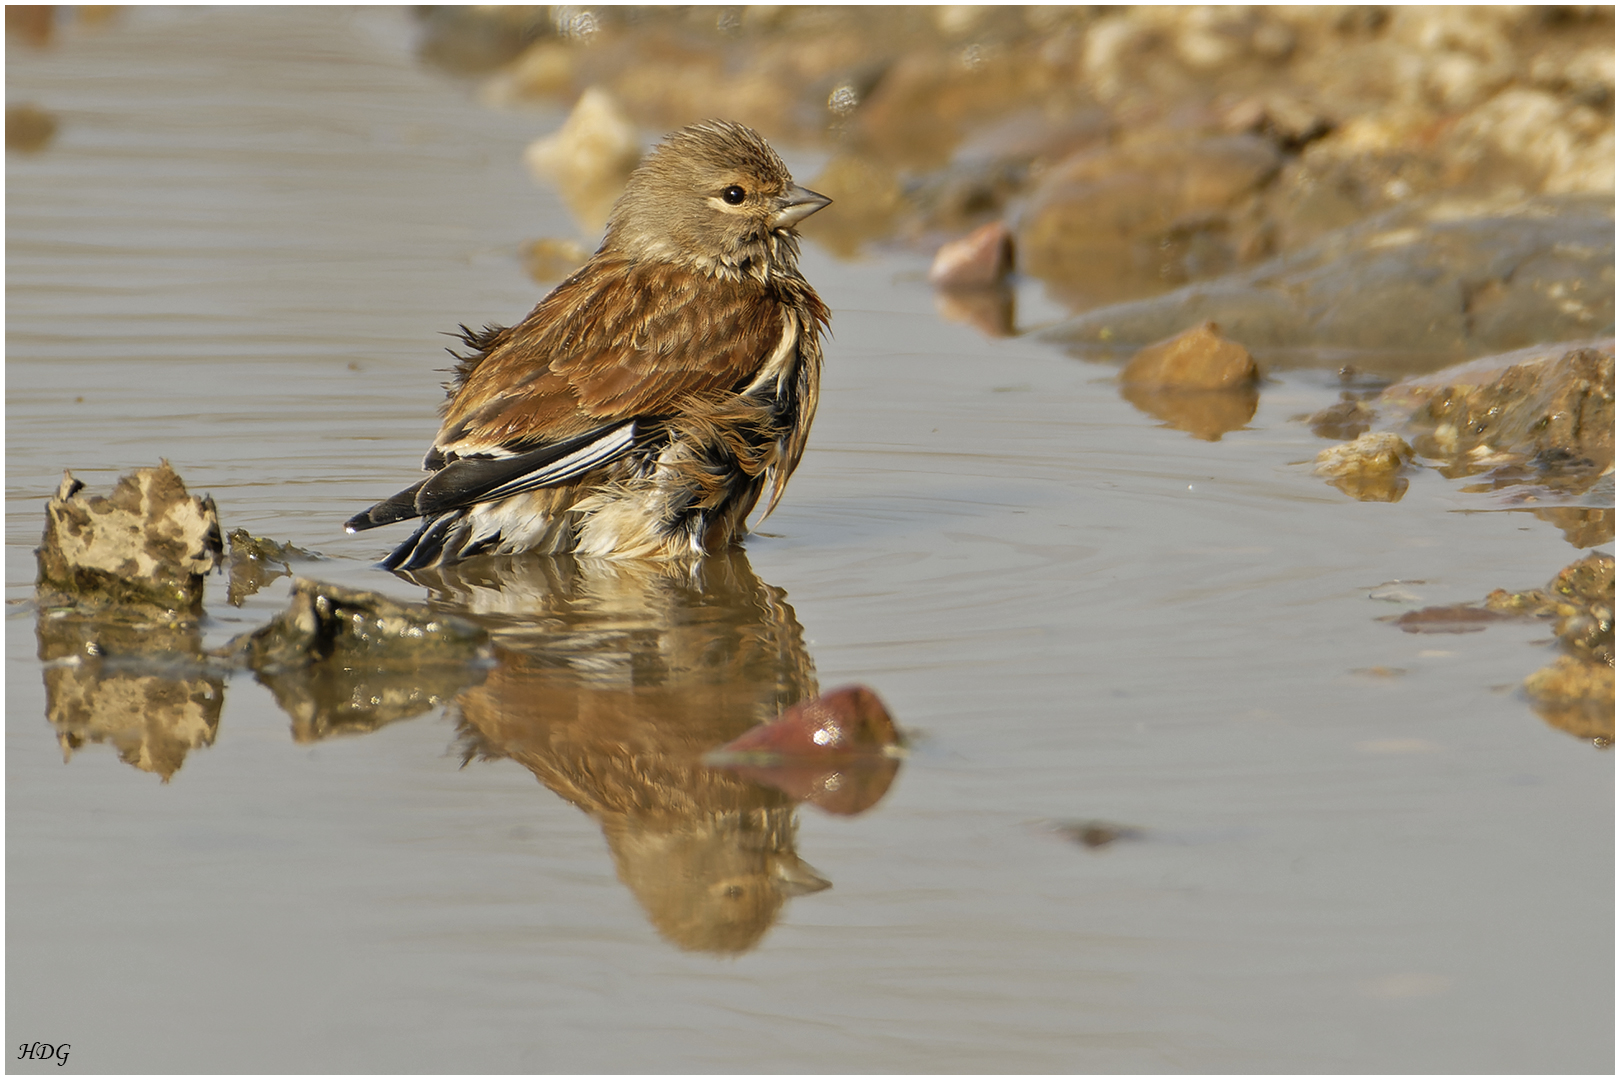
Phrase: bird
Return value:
(646, 404)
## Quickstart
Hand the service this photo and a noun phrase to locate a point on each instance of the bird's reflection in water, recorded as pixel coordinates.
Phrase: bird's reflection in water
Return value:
(612, 680)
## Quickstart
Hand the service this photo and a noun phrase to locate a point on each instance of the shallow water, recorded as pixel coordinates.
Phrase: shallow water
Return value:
(237, 255)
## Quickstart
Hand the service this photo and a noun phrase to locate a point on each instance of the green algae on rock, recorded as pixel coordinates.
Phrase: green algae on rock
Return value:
(345, 660)
(1549, 412)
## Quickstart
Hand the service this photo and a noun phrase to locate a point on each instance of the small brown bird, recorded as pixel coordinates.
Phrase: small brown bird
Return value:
(642, 407)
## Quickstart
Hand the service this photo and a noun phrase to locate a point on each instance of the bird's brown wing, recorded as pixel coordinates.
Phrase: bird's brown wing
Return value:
(616, 342)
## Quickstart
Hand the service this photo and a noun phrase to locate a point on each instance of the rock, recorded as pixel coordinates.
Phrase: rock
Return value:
(1413, 288)
(345, 660)
(1557, 144)
(1450, 619)
(1576, 692)
(1553, 407)
(29, 128)
(1289, 122)
(353, 627)
(545, 68)
(1557, 405)
(1127, 221)
(1575, 697)
(980, 260)
(1099, 834)
(147, 545)
(1582, 526)
(1344, 420)
(1369, 468)
(1197, 381)
(590, 157)
(840, 751)
(1196, 359)
(849, 721)
(256, 561)
(34, 24)
(964, 192)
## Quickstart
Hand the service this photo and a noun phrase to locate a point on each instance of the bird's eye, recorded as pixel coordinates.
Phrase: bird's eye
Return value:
(734, 195)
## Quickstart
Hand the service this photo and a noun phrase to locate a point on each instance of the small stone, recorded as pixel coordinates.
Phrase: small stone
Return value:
(980, 260)
(1100, 834)
(1196, 359)
(1368, 468)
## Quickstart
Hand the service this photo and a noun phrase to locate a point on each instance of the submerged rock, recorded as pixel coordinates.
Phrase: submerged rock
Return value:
(1545, 415)
(256, 561)
(1099, 834)
(1346, 419)
(1575, 693)
(1369, 468)
(148, 544)
(345, 660)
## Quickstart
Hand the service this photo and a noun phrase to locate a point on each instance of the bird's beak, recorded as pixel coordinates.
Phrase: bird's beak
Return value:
(795, 205)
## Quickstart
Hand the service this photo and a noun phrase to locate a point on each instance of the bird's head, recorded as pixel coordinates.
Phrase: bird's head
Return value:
(714, 197)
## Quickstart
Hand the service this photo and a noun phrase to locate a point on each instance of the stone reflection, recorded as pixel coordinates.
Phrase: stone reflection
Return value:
(347, 662)
(612, 680)
(140, 686)
(1203, 414)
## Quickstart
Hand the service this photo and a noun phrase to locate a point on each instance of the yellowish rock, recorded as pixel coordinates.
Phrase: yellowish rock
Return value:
(590, 157)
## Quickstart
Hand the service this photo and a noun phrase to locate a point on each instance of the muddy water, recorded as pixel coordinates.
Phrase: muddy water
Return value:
(1358, 849)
